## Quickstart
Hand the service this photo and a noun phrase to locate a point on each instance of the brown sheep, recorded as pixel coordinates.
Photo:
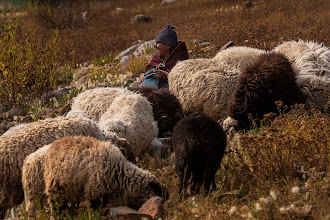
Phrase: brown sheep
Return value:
(80, 169)
(269, 79)
(199, 143)
(166, 108)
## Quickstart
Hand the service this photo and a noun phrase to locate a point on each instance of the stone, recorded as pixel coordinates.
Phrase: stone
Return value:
(140, 18)
(83, 81)
(141, 49)
(227, 45)
(154, 207)
(13, 112)
(248, 4)
(126, 52)
(126, 213)
(47, 113)
(167, 2)
(83, 71)
(118, 11)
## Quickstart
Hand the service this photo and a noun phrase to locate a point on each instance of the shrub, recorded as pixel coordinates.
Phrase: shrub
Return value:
(27, 68)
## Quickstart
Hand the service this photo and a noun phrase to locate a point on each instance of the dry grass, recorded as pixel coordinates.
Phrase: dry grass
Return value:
(263, 26)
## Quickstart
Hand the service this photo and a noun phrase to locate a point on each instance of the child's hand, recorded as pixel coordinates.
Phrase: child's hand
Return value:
(160, 74)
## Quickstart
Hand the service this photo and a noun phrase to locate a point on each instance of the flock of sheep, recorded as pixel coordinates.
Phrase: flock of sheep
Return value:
(89, 155)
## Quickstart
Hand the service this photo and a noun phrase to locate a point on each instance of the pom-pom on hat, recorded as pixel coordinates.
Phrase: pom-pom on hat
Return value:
(167, 36)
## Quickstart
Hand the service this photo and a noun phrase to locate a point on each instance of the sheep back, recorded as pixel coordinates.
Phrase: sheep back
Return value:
(130, 115)
(199, 143)
(166, 108)
(237, 57)
(202, 85)
(95, 102)
(86, 169)
(18, 143)
(267, 80)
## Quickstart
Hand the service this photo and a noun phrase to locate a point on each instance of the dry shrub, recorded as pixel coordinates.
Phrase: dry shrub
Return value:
(295, 145)
(27, 68)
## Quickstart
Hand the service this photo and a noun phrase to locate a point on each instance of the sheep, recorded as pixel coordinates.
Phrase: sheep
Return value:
(311, 63)
(199, 143)
(207, 85)
(237, 57)
(130, 116)
(166, 108)
(33, 174)
(265, 81)
(19, 142)
(202, 85)
(95, 102)
(85, 169)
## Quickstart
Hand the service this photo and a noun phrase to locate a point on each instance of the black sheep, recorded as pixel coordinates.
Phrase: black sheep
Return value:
(166, 108)
(199, 143)
(269, 79)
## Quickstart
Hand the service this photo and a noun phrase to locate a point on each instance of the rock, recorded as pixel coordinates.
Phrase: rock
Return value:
(167, 2)
(126, 52)
(129, 214)
(118, 11)
(83, 81)
(45, 99)
(13, 112)
(27, 119)
(65, 109)
(47, 113)
(125, 60)
(83, 71)
(227, 45)
(140, 18)
(248, 4)
(141, 49)
(154, 207)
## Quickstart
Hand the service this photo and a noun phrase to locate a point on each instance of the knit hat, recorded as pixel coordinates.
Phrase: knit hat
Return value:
(167, 36)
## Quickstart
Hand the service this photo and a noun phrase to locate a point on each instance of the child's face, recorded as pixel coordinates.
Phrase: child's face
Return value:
(163, 50)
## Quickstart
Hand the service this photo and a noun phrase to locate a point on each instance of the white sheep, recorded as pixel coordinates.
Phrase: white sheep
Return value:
(237, 57)
(130, 116)
(311, 63)
(94, 102)
(203, 85)
(80, 169)
(207, 85)
(19, 142)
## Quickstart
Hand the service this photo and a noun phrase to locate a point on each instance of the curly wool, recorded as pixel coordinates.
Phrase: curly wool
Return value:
(269, 79)
(311, 64)
(130, 116)
(203, 85)
(19, 142)
(86, 169)
(166, 108)
(199, 143)
(95, 102)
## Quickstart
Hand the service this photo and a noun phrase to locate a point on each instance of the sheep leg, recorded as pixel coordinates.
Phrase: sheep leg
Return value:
(2, 212)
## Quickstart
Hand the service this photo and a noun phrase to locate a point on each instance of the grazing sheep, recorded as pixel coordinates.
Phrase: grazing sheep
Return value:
(95, 102)
(267, 80)
(202, 85)
(33, 174)
(311, 63)
(21, 141)
(237, 57)
(130, 116)
(199, 143)
(80, 169)
(166, 108)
